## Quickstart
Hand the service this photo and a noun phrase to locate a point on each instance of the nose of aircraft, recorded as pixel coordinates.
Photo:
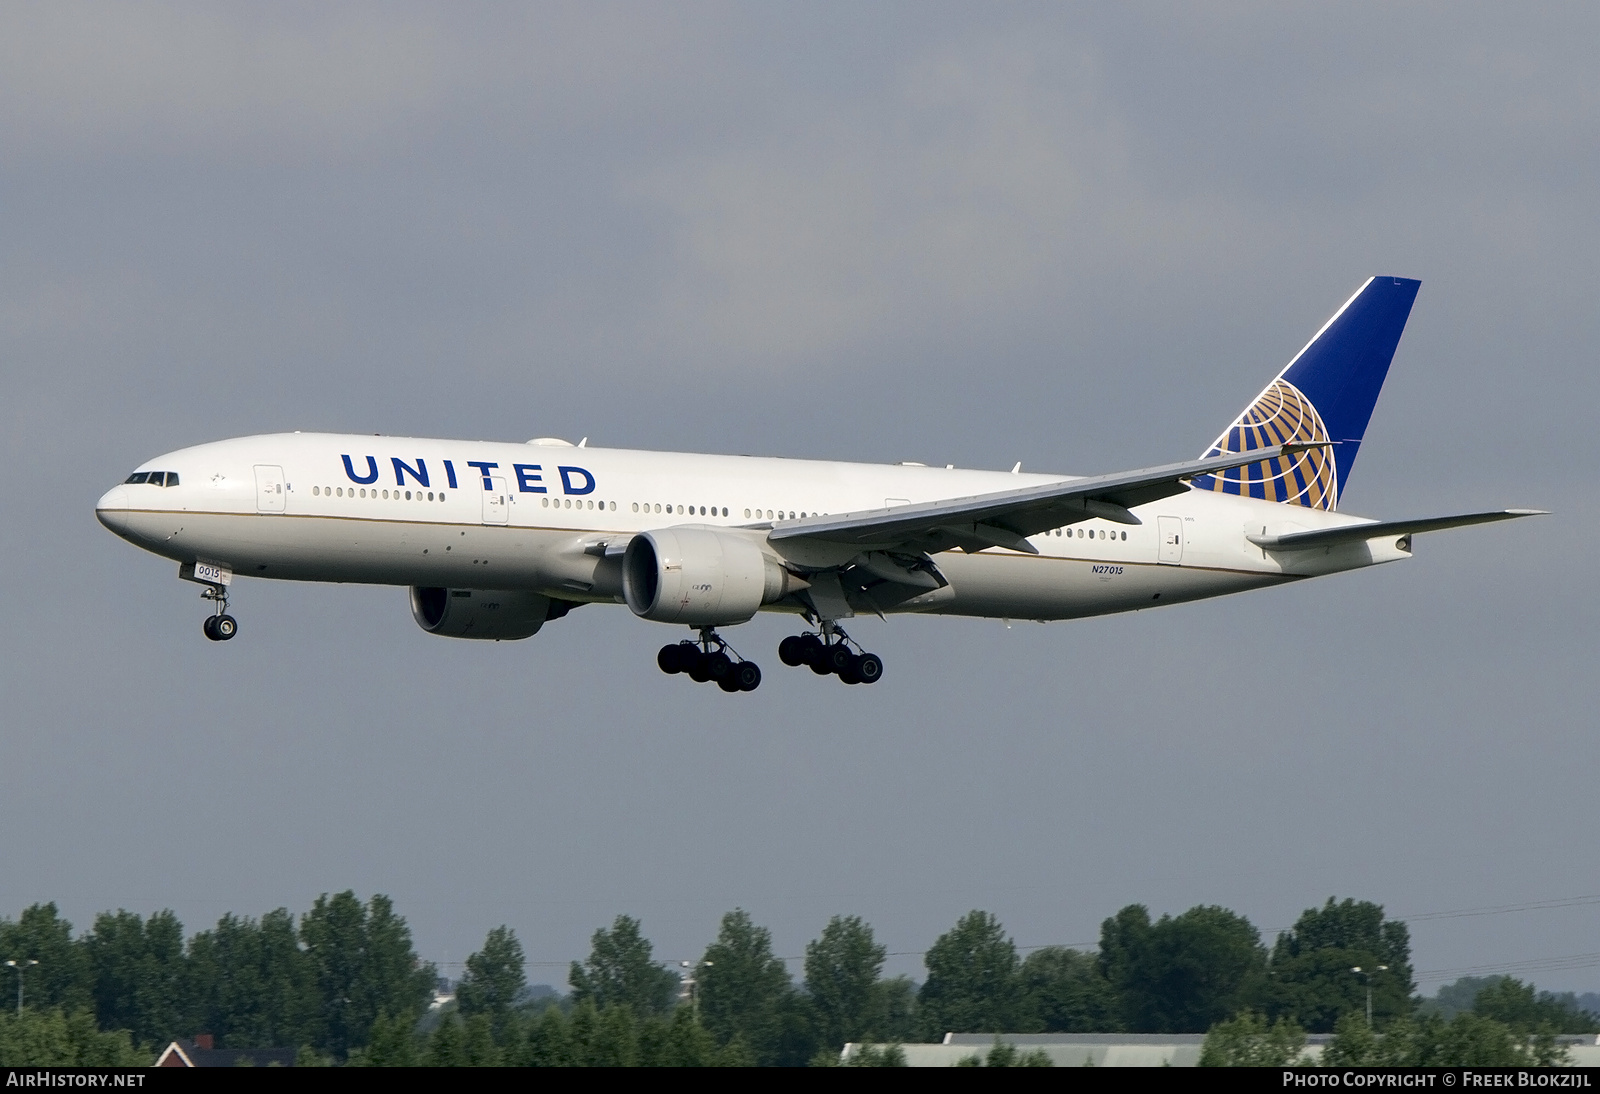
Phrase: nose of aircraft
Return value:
(112, 509)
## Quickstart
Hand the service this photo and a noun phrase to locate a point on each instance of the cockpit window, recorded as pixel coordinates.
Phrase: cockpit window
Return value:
(154, 478)
(172, 478)
(138, 477)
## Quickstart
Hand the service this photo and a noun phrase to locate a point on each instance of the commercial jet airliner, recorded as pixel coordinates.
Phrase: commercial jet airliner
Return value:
(496, 539)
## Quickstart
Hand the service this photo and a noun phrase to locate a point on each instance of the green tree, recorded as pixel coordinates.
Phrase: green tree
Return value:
(548, 1042)
(50, 1038)
(1467, 1040)
(493, 981)
(1310, 972)
(140, 975)
(1250, 1041)
(362, 963)
(250, 984)
(678, 1041)
(1064, 991)
(842, 968)
(393, 1043)
(62, 977)
(478, 1047)
(1183, 973)
(1453, 998)
(972, 982)
(894, 1009)
(1518, 1005)
(621, 969)
(746, 995)
(447, 1045)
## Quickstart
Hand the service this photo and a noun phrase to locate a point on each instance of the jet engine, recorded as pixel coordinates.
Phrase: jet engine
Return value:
(477, 613)
(701, 577)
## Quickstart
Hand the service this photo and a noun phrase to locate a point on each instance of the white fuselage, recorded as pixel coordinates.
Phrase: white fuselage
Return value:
(489, 515)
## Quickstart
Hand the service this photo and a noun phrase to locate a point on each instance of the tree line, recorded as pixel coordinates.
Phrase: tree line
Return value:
(343, 983)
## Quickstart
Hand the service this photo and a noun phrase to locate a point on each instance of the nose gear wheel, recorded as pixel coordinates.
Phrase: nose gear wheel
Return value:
(219, 626)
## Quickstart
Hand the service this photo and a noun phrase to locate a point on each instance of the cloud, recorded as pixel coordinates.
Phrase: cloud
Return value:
(967, 188)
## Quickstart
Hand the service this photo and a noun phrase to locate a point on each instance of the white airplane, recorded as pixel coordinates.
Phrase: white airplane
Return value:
(497, 539)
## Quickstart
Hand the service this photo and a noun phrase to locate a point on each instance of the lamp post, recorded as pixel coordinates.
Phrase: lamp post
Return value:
(692, 983)
(19, 966)
(1367, 975)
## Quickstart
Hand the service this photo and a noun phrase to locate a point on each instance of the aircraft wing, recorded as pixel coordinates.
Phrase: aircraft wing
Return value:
(1356, 533)
(1007, 518)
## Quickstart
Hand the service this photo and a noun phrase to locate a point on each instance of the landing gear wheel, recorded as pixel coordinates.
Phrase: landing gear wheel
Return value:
(224, 627)
(728, 684)
(697, 665)
(837, 658)
(674, 658)
(746, 676)
(719, 666)
(868, 668)
(208, 627)
(792, 651)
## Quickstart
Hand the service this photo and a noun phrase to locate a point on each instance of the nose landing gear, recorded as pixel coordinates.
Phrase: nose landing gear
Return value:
(704, 664)
(220, 626)
(829, 654)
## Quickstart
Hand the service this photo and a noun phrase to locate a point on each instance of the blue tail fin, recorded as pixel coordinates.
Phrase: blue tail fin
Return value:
(1325, 394)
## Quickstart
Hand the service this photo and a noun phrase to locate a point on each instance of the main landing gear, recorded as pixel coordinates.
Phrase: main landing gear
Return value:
(220, 626)
(704, 664)
(829, 654)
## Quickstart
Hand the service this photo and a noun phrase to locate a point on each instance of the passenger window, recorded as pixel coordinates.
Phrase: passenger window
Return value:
(316, 491)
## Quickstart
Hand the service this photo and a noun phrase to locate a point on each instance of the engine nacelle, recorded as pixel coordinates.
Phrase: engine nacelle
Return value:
(477, 613)
(701, 577)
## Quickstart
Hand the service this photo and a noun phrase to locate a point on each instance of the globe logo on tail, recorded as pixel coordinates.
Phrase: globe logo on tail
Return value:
(1280, 415)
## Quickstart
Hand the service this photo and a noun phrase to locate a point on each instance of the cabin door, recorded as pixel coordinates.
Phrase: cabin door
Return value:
(269, 489)
(496, 502)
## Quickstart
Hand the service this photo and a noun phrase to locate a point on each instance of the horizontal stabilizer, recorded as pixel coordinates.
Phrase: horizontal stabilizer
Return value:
(1358, 533)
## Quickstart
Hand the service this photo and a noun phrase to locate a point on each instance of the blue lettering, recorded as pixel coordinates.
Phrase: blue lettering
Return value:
(372, 471)
(450, 473)
(483, 469)
(566, 480)
(526, 477)
(402, 469)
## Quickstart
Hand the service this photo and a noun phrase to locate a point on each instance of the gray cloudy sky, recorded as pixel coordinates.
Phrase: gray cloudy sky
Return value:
(1082, 237)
